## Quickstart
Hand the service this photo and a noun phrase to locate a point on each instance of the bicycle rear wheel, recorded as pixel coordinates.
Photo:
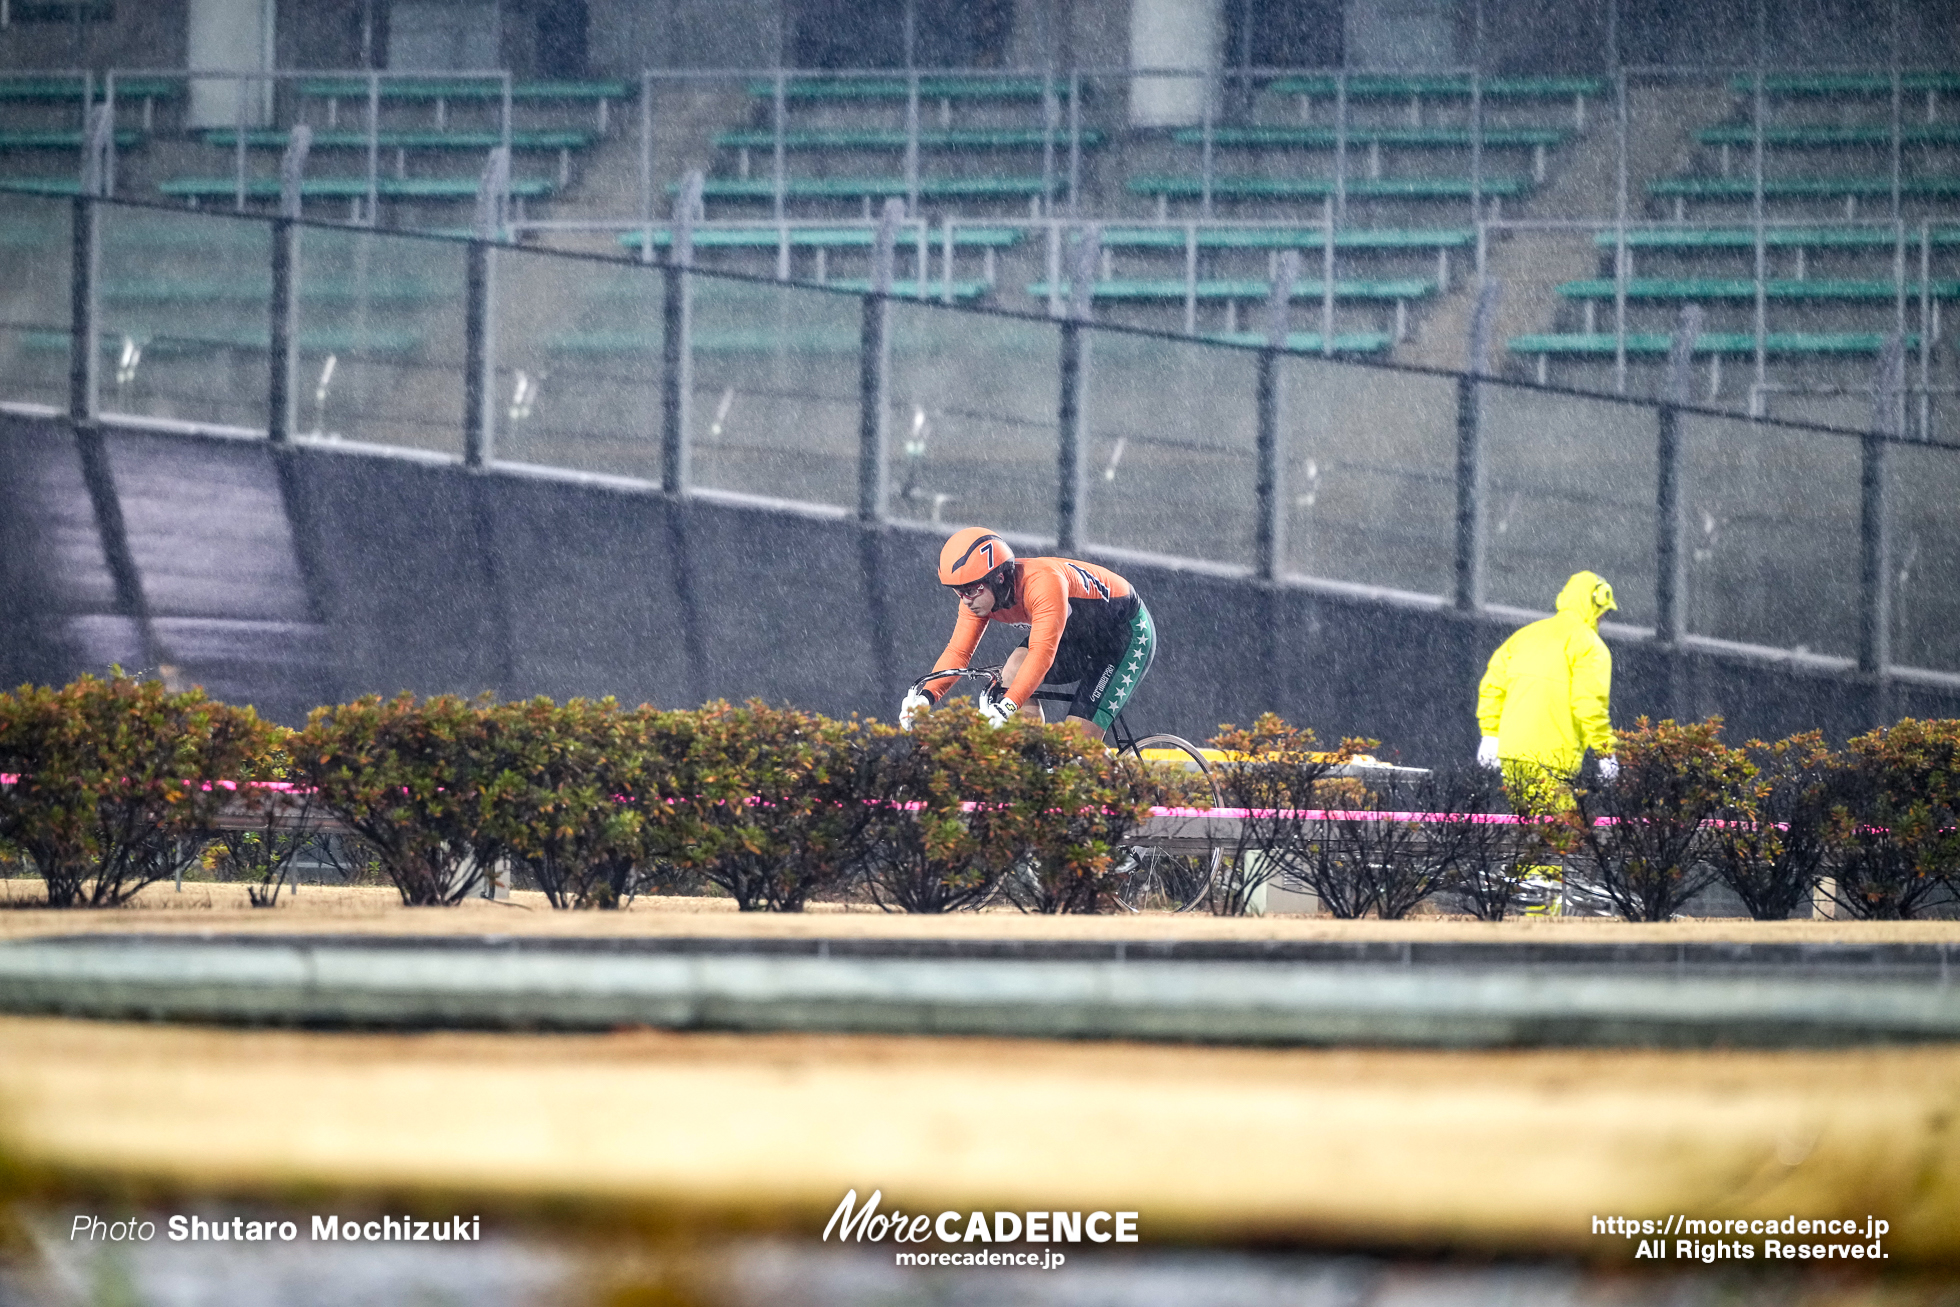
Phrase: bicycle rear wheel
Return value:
(1175, 879)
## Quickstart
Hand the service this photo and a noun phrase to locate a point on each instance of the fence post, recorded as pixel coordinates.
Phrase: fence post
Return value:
(778, 162)
(292, 171)
(1670, 563)
(1051, 118)
(1270, 547)
(105, 134)
(480, 312)
(677, 340)
(283, 356)
(912, 140)
(479, 355)
(84, 351)
(97, 170)
(1875, 537)
(646, 161)
(373, 198)
(874, 369)
(1471, 509)
(493, 196)
(1072, 419)
(1083, 270)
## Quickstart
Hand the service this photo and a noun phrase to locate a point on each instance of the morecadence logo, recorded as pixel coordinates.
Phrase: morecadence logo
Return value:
(866, 1224)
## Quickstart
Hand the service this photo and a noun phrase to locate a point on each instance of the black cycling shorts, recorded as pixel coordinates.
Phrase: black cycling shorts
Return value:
(1106, 648)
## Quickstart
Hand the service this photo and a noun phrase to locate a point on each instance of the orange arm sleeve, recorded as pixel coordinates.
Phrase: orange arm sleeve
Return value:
(959, 650)
(1045, 594)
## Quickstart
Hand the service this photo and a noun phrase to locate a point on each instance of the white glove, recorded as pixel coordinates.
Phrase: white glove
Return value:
(1487, 751)
(908, 711)
(1609, 769)
(998, 712)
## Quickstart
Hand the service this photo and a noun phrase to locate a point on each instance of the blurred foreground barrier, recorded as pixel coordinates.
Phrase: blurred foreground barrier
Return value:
(1458, 1000)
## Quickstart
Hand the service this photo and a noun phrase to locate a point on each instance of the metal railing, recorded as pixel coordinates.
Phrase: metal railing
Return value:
(1483, 442)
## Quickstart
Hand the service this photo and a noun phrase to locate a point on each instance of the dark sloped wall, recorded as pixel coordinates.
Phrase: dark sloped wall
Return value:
(428, 577)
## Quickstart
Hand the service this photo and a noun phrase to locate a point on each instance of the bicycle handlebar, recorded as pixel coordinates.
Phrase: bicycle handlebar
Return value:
(996, 684)
(989, 674)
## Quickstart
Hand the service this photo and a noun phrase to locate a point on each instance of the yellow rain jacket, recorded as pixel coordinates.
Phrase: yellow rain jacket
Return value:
(1544, 695)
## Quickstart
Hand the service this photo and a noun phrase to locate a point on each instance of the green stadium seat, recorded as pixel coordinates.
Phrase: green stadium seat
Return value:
(989, 187)
(1656, 344)
(818, 237)
(1291, 238)
(1418, 87)
(394, 188)
(58, 87)
(897, 87)
(1700, 240)
(824, 240)
(1781, 237)
(1308, 342)
(440, 91)
(950, 141)
(401, 142)
(1822, 135)
(1812, 84)
(1820, 290)
(574, 139)
(1440, 240)
(468, 88)
(1372, 140)
(1848, 189)
(1396, 86)
(352, 189)
(1709, 342)
(1237, 290)
(1494, 189)
(1244, 288)
(879, 138)
(53, 89)
(1744, 288)
(41, 185)
(126, 138)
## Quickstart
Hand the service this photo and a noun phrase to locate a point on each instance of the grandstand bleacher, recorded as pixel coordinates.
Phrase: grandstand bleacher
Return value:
(1811, 223)
(61, 94)
(439, 93)
(1386, 183)
(1420, 90)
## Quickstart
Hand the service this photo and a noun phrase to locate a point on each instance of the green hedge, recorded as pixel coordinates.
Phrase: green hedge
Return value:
(1878, 821)
(119, 783)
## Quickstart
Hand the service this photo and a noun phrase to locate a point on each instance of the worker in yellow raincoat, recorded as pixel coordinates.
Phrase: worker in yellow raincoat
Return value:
(1542, 703)
(1543, 700)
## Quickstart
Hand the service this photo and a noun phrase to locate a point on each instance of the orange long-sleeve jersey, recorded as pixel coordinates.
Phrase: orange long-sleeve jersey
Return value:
(1047, 592)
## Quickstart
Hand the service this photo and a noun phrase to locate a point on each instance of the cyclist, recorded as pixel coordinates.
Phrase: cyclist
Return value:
(1086, 625)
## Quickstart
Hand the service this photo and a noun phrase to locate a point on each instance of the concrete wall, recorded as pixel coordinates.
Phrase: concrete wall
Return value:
(625, 36)
(150, 34)
(426, 576)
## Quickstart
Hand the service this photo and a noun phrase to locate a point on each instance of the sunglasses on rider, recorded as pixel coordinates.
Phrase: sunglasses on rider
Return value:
(971, 590)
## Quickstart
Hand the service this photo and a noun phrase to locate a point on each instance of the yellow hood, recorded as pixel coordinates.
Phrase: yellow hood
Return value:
(1586, 595)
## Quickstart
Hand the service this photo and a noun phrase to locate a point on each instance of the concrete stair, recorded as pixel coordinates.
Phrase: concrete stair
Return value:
(173, 561)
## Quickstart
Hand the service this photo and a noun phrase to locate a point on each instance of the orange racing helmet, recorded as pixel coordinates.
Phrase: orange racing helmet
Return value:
(973, 554)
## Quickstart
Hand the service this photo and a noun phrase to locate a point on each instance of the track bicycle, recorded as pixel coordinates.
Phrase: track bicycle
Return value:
(1150, 875)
